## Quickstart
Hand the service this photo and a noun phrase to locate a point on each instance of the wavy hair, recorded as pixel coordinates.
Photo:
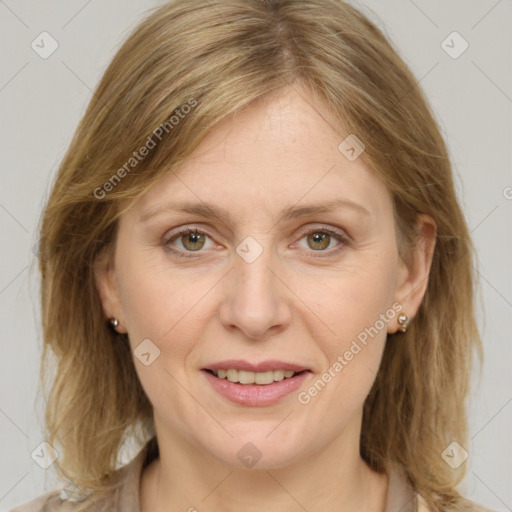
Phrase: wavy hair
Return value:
(217, 57)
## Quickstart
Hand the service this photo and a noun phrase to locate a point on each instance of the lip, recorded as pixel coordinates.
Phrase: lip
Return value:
(254, 395)
(263, 366)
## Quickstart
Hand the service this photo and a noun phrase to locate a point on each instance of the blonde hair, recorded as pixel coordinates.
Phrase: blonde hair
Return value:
(217, 57)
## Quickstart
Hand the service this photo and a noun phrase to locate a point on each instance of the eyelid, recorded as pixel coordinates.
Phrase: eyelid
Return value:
(340, 233)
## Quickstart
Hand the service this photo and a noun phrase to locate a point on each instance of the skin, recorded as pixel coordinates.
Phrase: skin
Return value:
(299, 301)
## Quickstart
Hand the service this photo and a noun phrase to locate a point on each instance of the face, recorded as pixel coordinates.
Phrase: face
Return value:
(268, 250)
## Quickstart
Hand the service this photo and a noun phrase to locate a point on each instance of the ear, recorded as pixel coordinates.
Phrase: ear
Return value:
(106, 284)
(413, 276)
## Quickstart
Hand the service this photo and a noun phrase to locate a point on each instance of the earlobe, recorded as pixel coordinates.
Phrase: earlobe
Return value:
(413, 275)
(105, 279)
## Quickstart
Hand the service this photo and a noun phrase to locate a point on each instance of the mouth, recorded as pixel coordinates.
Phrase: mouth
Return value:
(255, 385)
(246, 378)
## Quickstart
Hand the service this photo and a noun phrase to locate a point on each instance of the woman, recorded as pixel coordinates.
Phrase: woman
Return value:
(254, 263)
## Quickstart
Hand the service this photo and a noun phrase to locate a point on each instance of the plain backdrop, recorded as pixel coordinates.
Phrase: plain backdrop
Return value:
(42, 101)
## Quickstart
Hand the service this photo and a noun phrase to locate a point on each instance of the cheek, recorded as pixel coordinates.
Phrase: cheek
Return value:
(162, 304)
(351, 302)
(166, 309)
(146, 305)
(148, 300)
(357, 307)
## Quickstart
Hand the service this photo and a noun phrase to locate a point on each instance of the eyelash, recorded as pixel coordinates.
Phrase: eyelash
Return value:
(343, 239)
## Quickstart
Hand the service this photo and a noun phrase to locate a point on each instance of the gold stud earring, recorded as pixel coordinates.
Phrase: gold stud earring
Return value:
(403, 320)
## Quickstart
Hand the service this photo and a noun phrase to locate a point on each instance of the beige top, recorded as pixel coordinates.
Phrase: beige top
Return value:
(400, 496)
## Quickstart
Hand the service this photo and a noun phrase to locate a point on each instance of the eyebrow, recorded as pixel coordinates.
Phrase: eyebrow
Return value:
(221, 214)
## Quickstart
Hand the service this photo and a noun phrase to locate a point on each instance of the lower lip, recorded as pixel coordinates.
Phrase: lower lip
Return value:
(255, 395)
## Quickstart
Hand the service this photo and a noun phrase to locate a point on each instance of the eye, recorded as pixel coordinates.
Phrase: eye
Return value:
(324, 240)
(187, 240)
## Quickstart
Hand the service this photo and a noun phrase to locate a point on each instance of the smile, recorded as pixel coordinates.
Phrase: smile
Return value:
(248, 377)
(255, 385)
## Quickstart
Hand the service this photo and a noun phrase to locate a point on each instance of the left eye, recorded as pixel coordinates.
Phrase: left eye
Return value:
(320, 240)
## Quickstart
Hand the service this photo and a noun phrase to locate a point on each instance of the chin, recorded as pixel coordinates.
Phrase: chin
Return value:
(258, 452)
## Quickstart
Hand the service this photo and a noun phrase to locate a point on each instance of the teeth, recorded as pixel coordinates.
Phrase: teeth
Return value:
(232, 375)
(245, 377)
(278, 375)
(261, 378)
(264, 377)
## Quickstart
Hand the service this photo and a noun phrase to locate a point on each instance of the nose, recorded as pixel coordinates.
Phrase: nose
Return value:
(256, 302)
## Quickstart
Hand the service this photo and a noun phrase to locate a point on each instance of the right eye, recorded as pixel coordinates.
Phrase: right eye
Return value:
(190, 239)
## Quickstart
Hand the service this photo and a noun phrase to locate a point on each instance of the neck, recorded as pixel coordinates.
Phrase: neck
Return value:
(185, 478)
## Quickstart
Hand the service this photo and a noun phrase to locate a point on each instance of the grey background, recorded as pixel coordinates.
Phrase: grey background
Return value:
(42, 101)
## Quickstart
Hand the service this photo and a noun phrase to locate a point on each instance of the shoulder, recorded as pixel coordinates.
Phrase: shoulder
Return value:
(467, 506)
(49, 502)
(402, 496)
(422, 504)
(122, 494)
(63, 501)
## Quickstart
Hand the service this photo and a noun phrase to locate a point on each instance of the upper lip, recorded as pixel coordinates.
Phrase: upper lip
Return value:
(263, 366)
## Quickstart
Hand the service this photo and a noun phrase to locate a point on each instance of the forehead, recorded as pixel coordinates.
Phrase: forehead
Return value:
(280, 150)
